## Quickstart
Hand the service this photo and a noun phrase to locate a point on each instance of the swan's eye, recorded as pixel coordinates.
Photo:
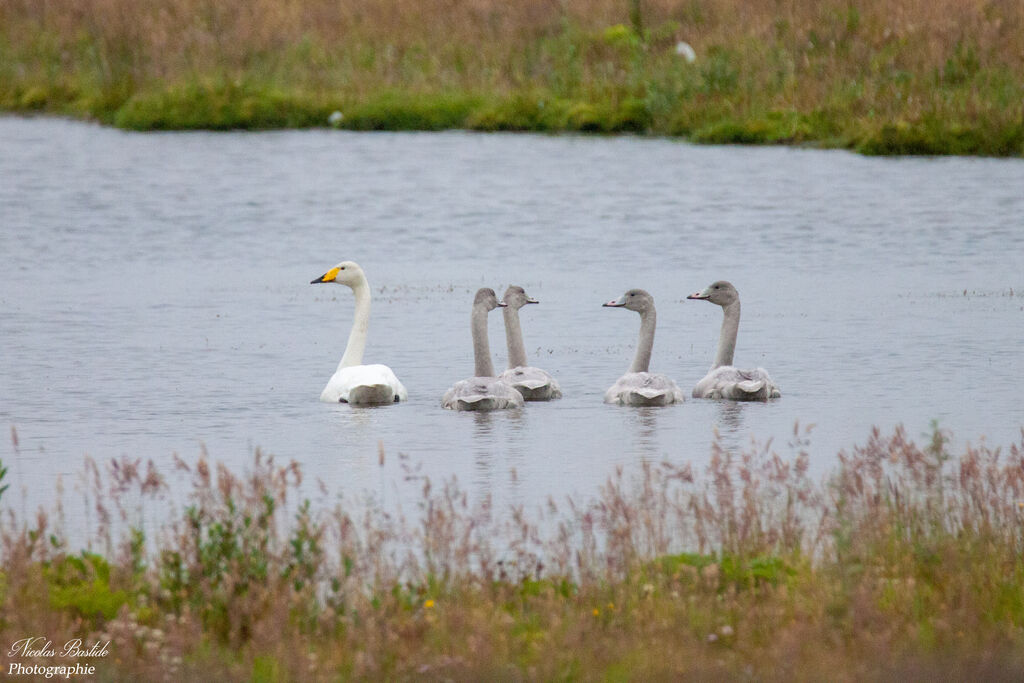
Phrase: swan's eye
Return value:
(343, 268)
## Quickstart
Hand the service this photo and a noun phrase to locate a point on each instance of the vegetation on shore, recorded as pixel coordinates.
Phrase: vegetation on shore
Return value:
(906, 563)
(937, 77)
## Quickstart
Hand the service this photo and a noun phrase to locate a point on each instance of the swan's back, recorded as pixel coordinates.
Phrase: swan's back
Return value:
(734, 384)
(533, 383)
(644, 389)
(364, 385)
(481, 393)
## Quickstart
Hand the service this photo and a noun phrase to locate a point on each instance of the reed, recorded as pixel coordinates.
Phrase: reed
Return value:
(905, 562)
(910, 77)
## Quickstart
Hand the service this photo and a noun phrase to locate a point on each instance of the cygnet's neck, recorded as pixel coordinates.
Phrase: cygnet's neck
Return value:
(481, 348)
(514, 338)
(727, 337)
(360, 326)
(645, 343)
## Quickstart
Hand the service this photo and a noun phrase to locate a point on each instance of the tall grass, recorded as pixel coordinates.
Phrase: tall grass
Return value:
(942, 76)
(906, 562)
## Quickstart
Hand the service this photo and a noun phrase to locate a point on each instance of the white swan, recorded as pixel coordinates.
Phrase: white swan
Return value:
(724, 380)
(354, 382)
(638, 387)
(533, 383)
(483, 391)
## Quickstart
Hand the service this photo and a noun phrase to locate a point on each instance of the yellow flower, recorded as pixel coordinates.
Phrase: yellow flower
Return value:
(597, 612)
(428, 604)
(611, 606)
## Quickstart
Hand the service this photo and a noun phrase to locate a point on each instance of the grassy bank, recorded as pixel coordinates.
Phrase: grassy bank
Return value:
(937, 77)
(906, 563)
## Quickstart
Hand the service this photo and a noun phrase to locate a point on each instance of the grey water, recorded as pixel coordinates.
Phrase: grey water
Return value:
(156, 300)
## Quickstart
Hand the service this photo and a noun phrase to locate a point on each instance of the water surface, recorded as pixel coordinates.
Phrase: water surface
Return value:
(156, 297)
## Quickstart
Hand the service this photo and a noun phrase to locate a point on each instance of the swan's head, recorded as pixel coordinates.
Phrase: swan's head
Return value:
(345, 273)
(516, 297)
(721, 293)
(634, 300)
(486, 297)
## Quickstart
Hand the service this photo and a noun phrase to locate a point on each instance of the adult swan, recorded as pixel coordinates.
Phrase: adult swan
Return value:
(354, 382)
(638, 387)
(723, 380)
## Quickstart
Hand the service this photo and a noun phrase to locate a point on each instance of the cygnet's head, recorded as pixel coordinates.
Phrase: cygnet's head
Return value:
(721, 293)
(345, 273)
(486, 297)
(516, 297)
(635, 300)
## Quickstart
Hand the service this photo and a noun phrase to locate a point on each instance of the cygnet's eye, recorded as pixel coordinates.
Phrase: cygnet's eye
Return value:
(716, 286)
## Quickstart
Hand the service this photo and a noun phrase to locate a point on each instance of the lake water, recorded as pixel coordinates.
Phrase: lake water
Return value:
(156, 297)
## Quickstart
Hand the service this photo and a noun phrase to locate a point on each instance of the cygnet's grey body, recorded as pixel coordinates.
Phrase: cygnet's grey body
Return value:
(533, 383)
(638, 387)
(483, 391)
(724, 380)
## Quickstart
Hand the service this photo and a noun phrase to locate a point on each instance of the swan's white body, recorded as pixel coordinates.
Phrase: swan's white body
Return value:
(361, 384)
(483, 391)
(354, 382)
(724, 380)
(639, 387)
(533, 383)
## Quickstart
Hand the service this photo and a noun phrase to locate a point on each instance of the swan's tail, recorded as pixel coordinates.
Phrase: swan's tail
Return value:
(372, 394)
(750, 386)
(537, 390)
(647, 397)
(483, 403)
(752, 390)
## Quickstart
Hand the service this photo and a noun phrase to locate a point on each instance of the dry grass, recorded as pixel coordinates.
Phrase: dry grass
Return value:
(911, 76)
(904, 563)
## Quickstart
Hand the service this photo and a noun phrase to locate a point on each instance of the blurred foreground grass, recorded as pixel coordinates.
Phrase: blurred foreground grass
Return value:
(906, 563)
(909, 77)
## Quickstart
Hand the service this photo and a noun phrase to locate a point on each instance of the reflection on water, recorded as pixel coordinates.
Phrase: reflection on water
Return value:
(729, 423)
(646, 421)
(497, 448)
(187, 318)
(730, 415)
(483, 455)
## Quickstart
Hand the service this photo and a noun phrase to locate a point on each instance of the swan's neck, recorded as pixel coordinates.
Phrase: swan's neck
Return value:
(481, 349)
(727, 338)
(645, 344)
(514, 338)
(360, 326)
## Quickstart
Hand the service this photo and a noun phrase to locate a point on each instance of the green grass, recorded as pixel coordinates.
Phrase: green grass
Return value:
(943, 78)
(222, 106)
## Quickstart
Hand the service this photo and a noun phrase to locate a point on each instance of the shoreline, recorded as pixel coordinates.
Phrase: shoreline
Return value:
(164, 113)
(931, 79)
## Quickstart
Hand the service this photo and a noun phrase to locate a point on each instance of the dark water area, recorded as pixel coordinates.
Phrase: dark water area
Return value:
(156, 298)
